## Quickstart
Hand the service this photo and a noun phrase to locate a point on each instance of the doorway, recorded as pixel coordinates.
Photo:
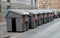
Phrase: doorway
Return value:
(13, 24)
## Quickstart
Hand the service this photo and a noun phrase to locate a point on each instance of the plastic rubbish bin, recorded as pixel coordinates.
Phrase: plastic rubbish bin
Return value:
(52, 15)
(32, 19)
(49, 16)
(40, 17)
(44, 16)
(17, 20)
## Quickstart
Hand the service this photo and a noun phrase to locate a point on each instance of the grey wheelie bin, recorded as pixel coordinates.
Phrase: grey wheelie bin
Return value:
(51, 15)
(36, 18)
(39, 20)
(40, 16)
(44, 16)
(48, 17)
(17, 20)
(32, 19)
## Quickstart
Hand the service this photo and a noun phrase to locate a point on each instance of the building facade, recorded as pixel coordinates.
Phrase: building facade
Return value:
(28, 4)
(17, 4)
(49, 4)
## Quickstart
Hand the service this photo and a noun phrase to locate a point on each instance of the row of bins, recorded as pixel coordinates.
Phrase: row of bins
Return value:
(23, 20)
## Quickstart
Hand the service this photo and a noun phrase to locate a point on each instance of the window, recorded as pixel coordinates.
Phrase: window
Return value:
(8, 0)
(8, 7)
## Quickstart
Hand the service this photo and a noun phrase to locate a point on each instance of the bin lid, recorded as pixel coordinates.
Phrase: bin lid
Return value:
(32, 11)
(39, 11)
(45, 11)
(50, 11)
(18, 11)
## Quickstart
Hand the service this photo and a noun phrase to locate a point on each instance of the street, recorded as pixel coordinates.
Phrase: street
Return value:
(49, 30)
(18, 16)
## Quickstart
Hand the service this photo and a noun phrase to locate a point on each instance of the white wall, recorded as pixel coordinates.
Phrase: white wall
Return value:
(27, 2)
(19, 4)
(4, 7)
(4, 0)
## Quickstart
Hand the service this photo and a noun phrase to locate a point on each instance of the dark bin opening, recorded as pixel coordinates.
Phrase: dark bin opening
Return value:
(13, 24)
(36, 22)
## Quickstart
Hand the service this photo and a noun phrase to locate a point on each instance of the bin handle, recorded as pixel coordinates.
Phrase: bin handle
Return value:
(21, 20)
(32, 18)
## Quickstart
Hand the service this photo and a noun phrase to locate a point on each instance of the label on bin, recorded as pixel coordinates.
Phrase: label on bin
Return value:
(45, 16)
(33, 19)
(38, 17)
(21, 20)
(50, 15)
